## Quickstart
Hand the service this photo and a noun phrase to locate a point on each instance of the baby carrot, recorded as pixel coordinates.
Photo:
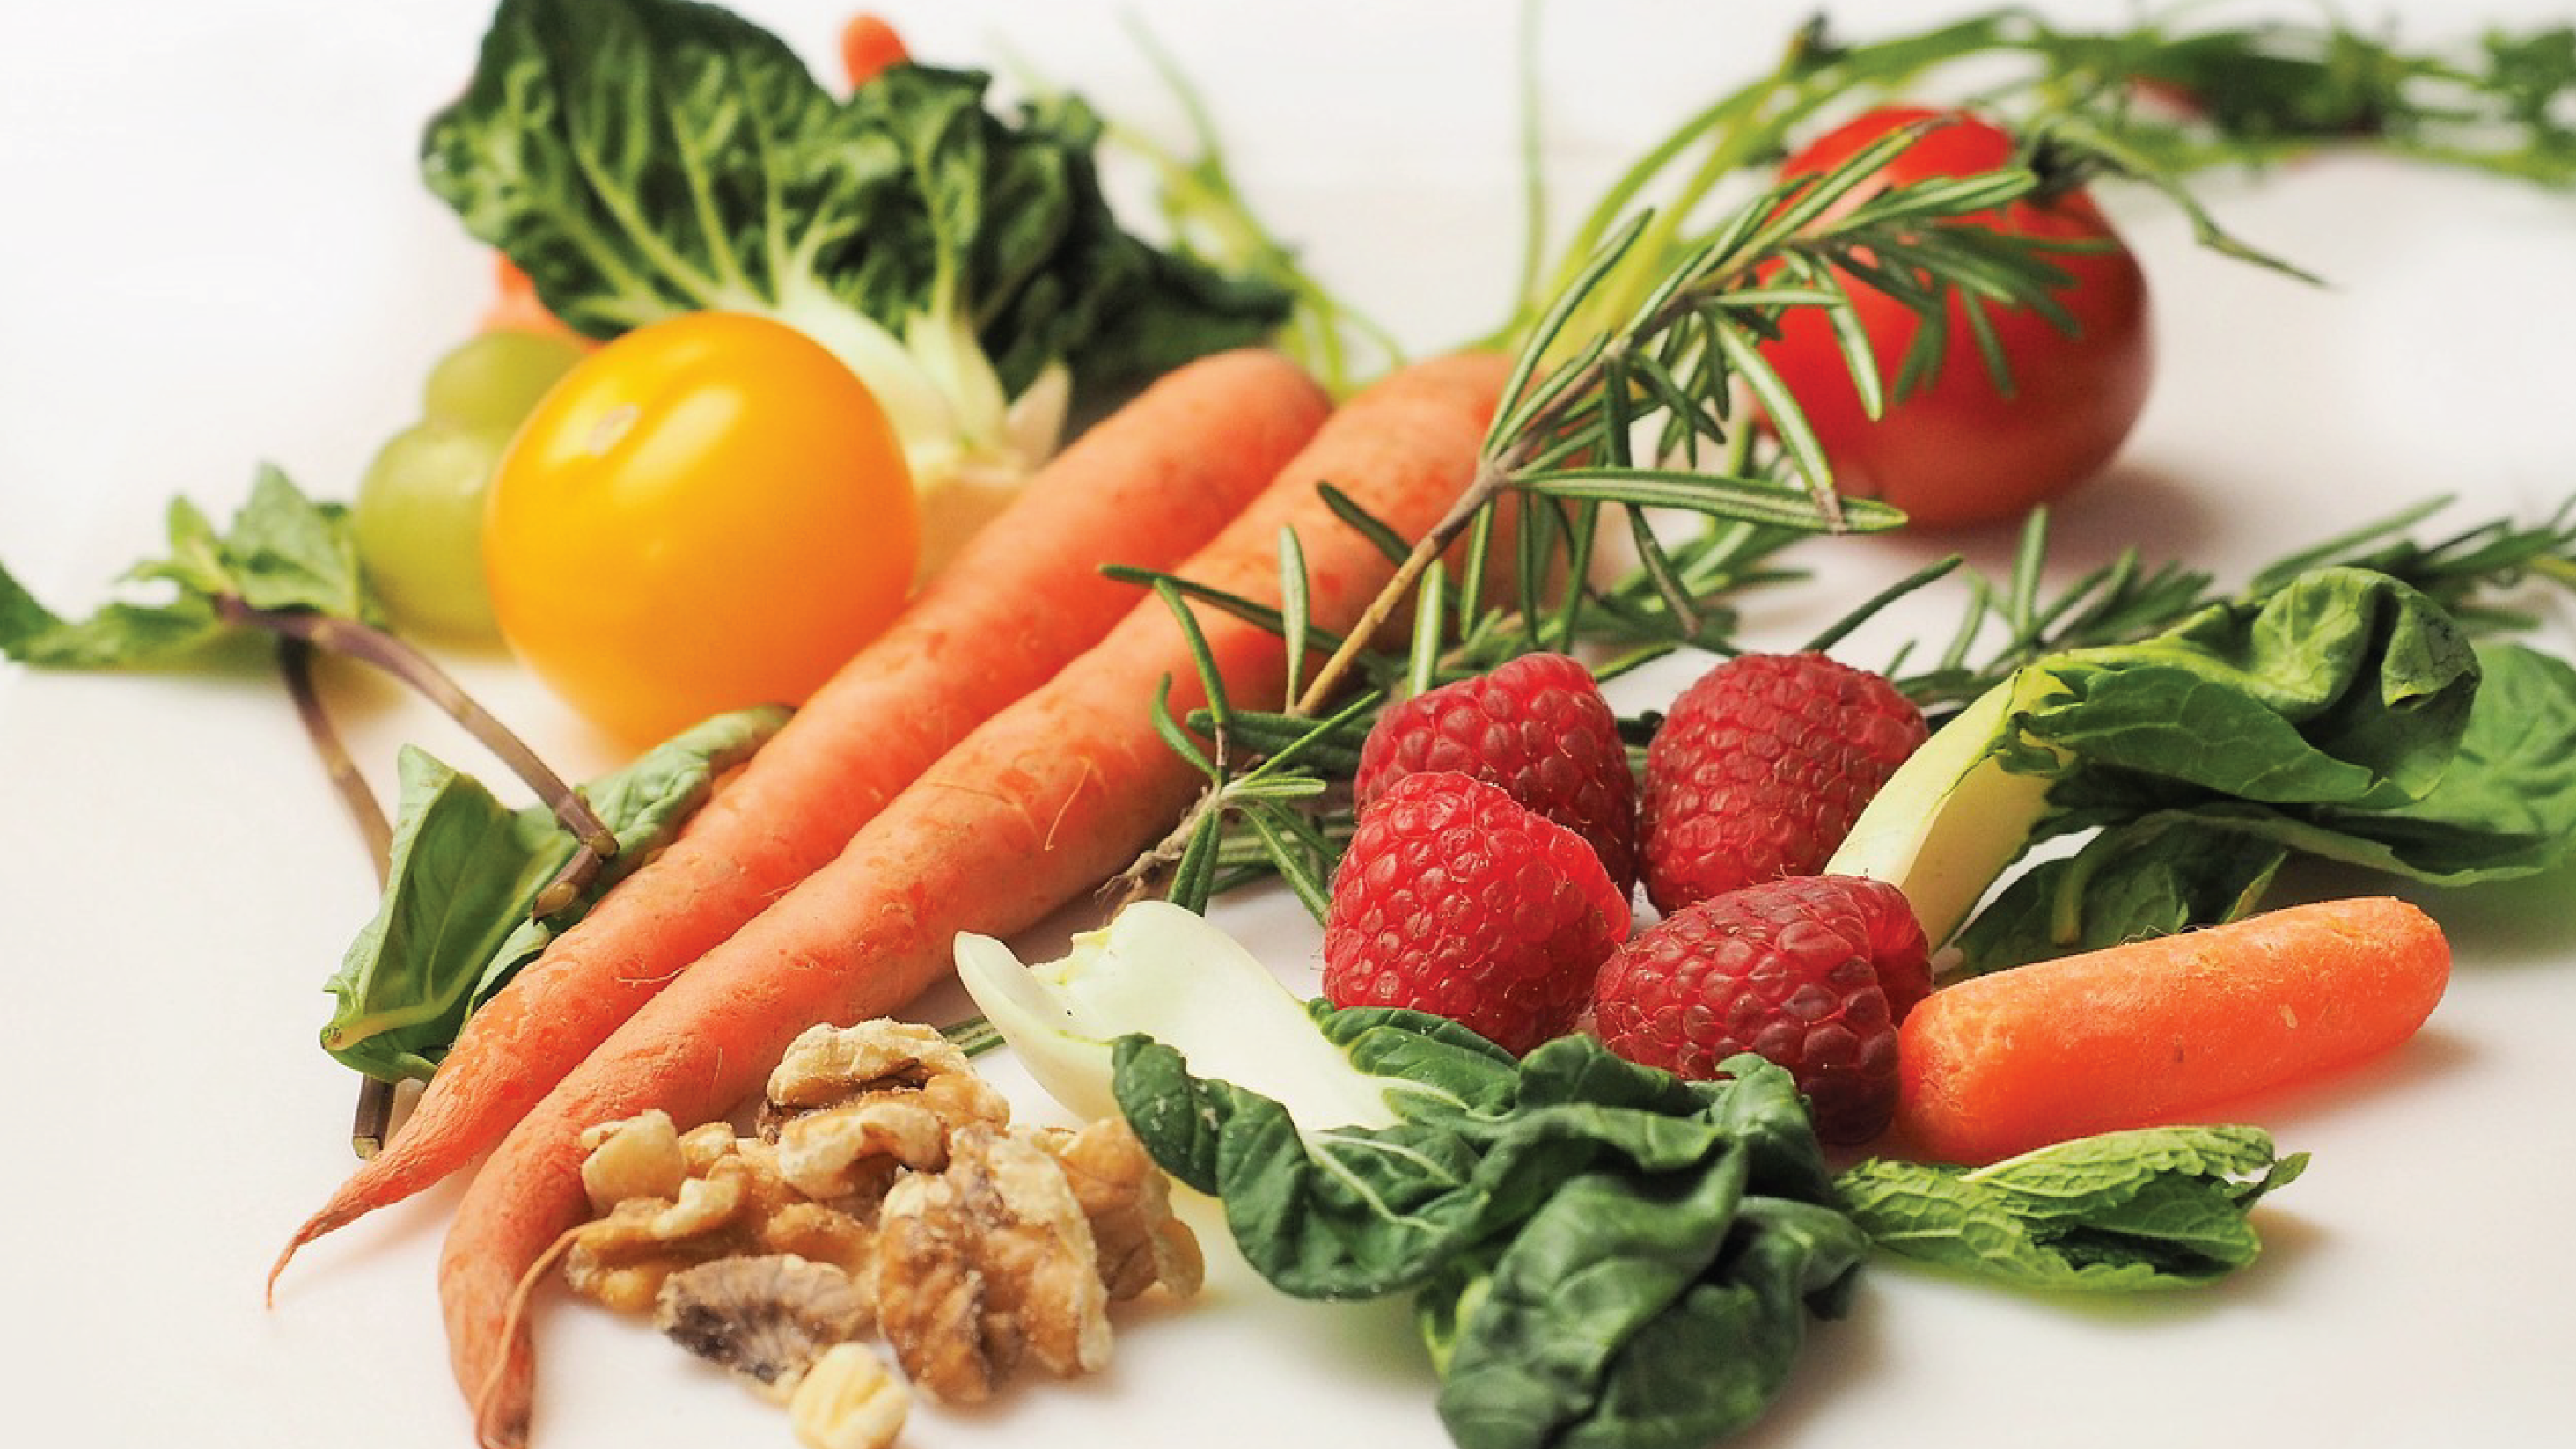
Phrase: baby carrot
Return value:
(2162, 1029)
(1146, 486)
(1035, 807)
(516, 306)
(868, 45)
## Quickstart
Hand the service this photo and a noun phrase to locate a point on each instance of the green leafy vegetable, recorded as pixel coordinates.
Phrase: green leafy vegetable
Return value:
(2504, 807)
(2161, 1207)
(459, 914)
(284, 551)
(287, 567)
(641, 158)
(2335, 716)
(1601, 1253)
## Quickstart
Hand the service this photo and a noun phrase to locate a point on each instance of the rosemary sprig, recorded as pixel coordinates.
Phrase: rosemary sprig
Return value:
(2158, 102)
(1565, 447)
(1638, 353)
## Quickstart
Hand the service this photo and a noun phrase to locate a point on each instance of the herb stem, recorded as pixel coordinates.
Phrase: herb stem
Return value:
(372, 1121)
(1491, 477)
(369, 645)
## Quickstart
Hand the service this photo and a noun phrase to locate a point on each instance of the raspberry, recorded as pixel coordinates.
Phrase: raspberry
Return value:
(1456, 900)
(1761, 767)
(1812, 972)
(1537, 727)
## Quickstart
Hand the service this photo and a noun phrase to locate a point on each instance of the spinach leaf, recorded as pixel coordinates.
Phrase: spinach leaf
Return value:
(2155, 1208)
(455, 923)
(1601, 1253)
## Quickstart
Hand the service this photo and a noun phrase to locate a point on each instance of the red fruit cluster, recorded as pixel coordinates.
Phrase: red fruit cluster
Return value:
(1814, 973)
(1761, 767)
(1500, 832)
(1538, 728)
(1457, 900)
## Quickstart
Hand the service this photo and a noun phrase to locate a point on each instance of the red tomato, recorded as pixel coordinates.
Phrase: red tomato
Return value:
(1963, 451)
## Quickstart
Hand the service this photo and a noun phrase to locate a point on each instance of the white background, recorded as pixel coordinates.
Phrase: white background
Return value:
(213, 251)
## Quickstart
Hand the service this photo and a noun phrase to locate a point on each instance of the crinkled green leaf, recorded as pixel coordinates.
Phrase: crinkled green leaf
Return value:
(2501, 804)
(2155, 1208)
(1602, 1252)
(2154, 876)
(454, 923)
(641, 158)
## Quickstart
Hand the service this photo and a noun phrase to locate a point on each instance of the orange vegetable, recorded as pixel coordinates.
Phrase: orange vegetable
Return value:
(709, 513)
(2164, 1029)
(1030, 811)
(869, 45)
(1146, 486)
(515, 305)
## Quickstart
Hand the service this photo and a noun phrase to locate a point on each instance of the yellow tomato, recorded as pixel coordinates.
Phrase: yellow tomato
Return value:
(706, 513)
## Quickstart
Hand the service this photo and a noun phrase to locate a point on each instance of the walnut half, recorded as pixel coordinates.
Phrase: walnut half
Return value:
(987, 1261)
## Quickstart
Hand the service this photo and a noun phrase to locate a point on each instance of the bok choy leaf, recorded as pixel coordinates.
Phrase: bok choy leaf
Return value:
(2344, 715)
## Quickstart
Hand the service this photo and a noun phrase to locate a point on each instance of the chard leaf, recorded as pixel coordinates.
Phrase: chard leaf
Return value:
(1602, 1253)
(283, 552)
(454, 924)
(2154, 1208)
(2156, 876)
(642, 158)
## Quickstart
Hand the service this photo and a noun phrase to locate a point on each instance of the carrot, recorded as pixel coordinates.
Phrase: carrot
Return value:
(1038, 805)
(1148, 485)
(869, 45)
(516, 306)
(2163, 1029)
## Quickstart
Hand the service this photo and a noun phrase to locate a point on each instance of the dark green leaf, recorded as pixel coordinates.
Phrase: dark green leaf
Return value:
(642, 158)
(1576, 1226)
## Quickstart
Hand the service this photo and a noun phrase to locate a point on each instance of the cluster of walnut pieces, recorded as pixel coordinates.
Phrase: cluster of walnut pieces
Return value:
(885, 1187)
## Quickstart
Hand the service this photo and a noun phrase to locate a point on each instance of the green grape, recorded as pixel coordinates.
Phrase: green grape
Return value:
(493, 379)
(419, 523)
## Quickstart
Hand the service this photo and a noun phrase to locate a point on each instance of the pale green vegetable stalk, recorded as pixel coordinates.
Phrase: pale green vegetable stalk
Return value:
(1164, 971)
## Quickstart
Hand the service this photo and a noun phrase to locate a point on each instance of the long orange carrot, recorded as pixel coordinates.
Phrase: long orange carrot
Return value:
(2162, 1029)
(1147, 486)
(1038, 805)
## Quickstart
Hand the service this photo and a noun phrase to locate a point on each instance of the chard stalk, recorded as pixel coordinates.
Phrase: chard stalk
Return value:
(1165, 971)
(1951, 819)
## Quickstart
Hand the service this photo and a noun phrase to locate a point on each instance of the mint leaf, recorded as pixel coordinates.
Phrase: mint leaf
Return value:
(283, 552)
(2154, 1208)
